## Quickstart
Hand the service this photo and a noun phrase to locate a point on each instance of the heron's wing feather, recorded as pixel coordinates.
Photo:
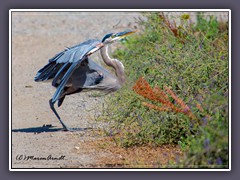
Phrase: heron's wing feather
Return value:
(68, 56)
(63, 64)
(41, 73)
(56, 57)
(60, 73)
(64, 80)
(48, 72)
(75, 53)
(72, 58)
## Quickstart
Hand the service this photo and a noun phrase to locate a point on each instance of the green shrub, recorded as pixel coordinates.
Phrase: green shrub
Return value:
(191, 59)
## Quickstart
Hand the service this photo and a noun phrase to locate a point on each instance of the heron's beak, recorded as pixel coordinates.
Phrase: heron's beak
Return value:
(123, 34)
(98, 46)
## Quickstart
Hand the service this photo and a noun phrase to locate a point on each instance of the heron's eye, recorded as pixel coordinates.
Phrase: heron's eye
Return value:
(113, 36)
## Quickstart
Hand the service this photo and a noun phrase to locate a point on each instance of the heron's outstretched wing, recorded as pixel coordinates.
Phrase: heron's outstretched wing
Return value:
(63, 64)
(62, 61)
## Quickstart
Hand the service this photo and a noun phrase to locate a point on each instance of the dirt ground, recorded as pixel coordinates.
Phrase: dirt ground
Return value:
(36, 37)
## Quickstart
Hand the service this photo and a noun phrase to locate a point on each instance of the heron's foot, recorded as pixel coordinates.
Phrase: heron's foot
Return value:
(75, 129)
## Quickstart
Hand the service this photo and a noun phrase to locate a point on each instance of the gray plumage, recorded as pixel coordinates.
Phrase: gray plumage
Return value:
(71, 71)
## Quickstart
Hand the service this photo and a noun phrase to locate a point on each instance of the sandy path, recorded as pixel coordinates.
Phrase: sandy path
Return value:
(36, 37)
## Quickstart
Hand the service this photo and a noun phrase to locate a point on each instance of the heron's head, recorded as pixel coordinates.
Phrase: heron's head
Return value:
(112, 37)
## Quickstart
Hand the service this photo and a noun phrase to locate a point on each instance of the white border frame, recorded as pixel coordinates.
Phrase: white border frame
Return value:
(111, 10)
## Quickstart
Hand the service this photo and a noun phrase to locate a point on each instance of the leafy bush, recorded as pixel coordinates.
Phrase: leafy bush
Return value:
(190, 59)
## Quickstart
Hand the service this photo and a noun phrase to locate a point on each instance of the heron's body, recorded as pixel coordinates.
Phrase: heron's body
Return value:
(90, 76)
(71, 71)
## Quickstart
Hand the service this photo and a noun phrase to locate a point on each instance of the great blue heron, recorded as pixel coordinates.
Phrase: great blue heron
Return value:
(72, 71)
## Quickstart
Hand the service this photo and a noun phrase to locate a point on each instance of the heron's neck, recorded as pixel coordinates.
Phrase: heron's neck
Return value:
(116, 64)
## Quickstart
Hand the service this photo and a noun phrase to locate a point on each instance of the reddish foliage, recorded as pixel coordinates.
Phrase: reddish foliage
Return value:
(172, 26)
(142, 88)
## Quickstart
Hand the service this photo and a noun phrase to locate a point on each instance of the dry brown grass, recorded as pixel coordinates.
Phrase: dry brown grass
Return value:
(113, 156)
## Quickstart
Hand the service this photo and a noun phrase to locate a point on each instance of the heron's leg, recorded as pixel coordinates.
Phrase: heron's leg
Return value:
(55, 112)
(65, 128)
